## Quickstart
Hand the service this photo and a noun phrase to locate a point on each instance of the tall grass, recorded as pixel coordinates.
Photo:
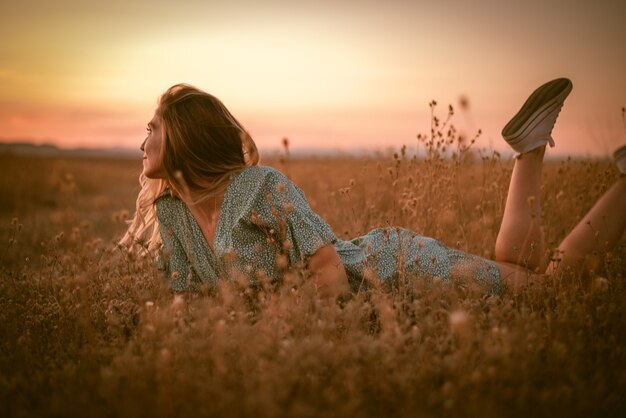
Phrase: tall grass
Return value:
(87, 329)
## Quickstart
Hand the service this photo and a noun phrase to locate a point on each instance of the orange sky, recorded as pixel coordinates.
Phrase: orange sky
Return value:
(326, 74)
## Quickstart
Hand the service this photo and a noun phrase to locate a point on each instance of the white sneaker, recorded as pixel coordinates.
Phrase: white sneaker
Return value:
(531, 127)
(619, 156)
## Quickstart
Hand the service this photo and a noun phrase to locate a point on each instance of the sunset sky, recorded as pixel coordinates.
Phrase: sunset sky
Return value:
(327, 74)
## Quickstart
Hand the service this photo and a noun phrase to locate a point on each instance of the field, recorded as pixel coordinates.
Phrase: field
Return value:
(86, 329)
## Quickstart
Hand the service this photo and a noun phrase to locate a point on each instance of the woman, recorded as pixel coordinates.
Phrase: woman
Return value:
(218, 214)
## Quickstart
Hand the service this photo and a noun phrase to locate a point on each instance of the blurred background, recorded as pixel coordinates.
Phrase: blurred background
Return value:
(331, 76)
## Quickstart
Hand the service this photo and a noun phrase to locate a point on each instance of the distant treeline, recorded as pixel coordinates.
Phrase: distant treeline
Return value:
(27, 148)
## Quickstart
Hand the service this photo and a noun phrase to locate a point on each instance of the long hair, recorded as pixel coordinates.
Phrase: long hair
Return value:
(203, 144)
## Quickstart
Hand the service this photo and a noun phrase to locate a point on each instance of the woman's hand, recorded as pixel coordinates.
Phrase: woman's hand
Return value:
(328, 273)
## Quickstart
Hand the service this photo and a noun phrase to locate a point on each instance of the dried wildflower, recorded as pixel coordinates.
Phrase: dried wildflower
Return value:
(229, 256)
(178, 302)
(601, 284)
(281, 261)
(458, 320)
(165, 354)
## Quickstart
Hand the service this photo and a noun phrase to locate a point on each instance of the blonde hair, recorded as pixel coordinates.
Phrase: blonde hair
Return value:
(202, 145)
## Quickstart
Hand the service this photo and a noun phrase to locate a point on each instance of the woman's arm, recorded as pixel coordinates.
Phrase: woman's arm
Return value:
(327, 272)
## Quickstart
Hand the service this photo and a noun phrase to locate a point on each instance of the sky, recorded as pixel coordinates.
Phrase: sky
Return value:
(328, 75)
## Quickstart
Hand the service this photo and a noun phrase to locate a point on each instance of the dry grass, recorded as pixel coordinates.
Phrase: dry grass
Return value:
(85, 328)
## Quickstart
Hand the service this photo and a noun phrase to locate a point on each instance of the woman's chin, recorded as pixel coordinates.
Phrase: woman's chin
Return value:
(146, 172)
(152, 174)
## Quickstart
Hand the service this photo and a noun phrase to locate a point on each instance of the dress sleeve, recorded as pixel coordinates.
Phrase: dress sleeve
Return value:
(282, 211)
(173, 262)
(172, 259)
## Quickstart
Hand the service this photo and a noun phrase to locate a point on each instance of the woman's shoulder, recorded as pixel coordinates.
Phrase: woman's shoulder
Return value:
(254, 187)
(262, 172)
(259, 177)
(165, 199)
(168, 207)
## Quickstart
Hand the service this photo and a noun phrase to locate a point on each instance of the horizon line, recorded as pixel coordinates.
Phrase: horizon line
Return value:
(26, 147)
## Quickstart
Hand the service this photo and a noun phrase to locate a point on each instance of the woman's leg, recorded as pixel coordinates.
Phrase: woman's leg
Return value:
(519, 240)
(596, 233)
(516, 278)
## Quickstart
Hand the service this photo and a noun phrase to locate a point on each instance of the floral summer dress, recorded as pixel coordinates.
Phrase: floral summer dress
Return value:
(266, 225)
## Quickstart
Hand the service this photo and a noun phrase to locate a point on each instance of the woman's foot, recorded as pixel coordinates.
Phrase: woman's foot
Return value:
(619, 156)
(531, 127)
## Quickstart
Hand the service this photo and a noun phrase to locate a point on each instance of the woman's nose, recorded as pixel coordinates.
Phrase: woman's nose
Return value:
(143, 145)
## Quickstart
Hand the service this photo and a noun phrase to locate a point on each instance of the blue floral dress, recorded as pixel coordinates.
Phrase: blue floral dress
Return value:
(265, 226)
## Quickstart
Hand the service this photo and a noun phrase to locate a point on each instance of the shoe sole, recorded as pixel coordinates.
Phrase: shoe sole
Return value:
(542, 103)
(619, 153)
(619, 156)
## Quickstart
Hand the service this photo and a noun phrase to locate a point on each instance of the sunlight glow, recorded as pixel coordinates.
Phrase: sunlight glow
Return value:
(323, 72)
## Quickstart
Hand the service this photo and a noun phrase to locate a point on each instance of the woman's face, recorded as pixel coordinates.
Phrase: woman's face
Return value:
(151, 147)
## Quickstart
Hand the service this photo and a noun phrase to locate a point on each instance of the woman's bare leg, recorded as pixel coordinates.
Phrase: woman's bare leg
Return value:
(519, 240)
(596, 233)
(516, 278)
